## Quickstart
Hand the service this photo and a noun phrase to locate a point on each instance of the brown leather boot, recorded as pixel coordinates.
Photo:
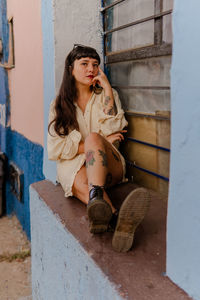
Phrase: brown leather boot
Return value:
(99, 211)
(131, 214)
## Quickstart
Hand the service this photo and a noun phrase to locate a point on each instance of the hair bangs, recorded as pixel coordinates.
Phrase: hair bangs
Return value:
(84, 51)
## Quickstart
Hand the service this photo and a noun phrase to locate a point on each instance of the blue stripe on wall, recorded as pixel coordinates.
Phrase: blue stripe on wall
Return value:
(28, 156)
(4, 29)
(49, 74)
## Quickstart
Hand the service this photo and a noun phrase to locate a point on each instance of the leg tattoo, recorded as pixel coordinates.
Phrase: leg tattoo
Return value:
(104, 157)
(90, 158)
(108, 179)
(115, 156)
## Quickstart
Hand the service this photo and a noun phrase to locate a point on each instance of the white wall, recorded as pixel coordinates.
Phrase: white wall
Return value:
(73, 22)
(183, 241)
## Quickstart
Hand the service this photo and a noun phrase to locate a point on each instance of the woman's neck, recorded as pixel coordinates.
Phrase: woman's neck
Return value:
(84, 93)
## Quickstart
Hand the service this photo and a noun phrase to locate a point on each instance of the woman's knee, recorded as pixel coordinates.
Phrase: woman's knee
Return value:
(93, 138)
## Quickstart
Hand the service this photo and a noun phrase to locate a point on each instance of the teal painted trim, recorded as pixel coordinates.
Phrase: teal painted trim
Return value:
(4, 30)
(109, 14)
(4, 89)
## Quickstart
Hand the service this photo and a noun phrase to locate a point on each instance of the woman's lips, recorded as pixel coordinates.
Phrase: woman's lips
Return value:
(90, 76)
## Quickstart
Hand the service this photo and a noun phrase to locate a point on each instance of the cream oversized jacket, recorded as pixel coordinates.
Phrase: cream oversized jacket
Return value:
(64, 149)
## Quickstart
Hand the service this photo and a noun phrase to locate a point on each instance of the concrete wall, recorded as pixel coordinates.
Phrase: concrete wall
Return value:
(78, 23)
(69, 22)
(61, 268)
(183, 243)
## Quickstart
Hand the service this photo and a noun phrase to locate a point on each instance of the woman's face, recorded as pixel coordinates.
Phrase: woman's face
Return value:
(84, 70)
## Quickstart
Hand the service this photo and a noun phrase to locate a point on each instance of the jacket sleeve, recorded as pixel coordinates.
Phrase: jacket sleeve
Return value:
(61, 147)
(110, 124)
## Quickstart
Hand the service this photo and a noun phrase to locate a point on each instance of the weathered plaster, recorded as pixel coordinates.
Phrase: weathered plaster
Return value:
(26, 79)
(183, 243)
(61, 268)
(73, 22)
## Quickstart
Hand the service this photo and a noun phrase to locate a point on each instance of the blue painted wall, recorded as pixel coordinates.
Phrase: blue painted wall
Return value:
(27, 155)
(183, 230)
(49, 77)
(4, 92)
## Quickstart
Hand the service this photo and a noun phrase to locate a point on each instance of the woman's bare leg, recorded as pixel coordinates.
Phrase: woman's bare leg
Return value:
(103, 168)
(81, 191)
(103, 165)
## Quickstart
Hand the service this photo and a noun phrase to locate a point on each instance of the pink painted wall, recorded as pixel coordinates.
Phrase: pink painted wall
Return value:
(26, 79)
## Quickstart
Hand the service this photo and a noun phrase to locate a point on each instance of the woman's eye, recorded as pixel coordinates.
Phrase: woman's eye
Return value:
(84, 64)
(95, 66)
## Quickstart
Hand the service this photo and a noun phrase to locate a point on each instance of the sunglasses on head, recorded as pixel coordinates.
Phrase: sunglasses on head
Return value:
(79, 45)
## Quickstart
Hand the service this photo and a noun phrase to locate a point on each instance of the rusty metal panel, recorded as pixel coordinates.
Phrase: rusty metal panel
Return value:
(143, 85)
(167, 4)
(167, 29)
(146, 72)
(129, 11)
(140, 53)
(167, 22)
(145, 101)
(132, 37)
(151, 131)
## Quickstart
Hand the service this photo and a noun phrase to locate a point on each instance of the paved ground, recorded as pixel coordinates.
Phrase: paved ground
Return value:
(15, 261)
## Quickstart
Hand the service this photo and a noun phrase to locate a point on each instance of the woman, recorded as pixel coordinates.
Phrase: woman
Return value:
(86, 122)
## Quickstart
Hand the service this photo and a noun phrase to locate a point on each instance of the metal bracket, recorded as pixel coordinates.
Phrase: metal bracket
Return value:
(10, 64)
(16, 178)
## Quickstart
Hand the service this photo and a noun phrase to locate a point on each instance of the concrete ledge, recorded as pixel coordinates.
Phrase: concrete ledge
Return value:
(70, 263)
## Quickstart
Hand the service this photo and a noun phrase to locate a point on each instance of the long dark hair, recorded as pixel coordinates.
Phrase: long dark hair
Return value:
(64, 104)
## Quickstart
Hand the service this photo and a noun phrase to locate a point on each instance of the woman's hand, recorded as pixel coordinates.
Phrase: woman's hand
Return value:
(102, 80)
(109, 107)
(117, 136)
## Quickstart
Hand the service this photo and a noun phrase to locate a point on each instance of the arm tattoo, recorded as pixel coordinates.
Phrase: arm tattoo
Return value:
(112, 111)
(104, 158)
(90, 158)
(109, 110)
(107, 100)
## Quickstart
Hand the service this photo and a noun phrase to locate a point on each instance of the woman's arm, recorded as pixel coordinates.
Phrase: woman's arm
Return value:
(61, 147)
(110, 124)
(109, 102)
